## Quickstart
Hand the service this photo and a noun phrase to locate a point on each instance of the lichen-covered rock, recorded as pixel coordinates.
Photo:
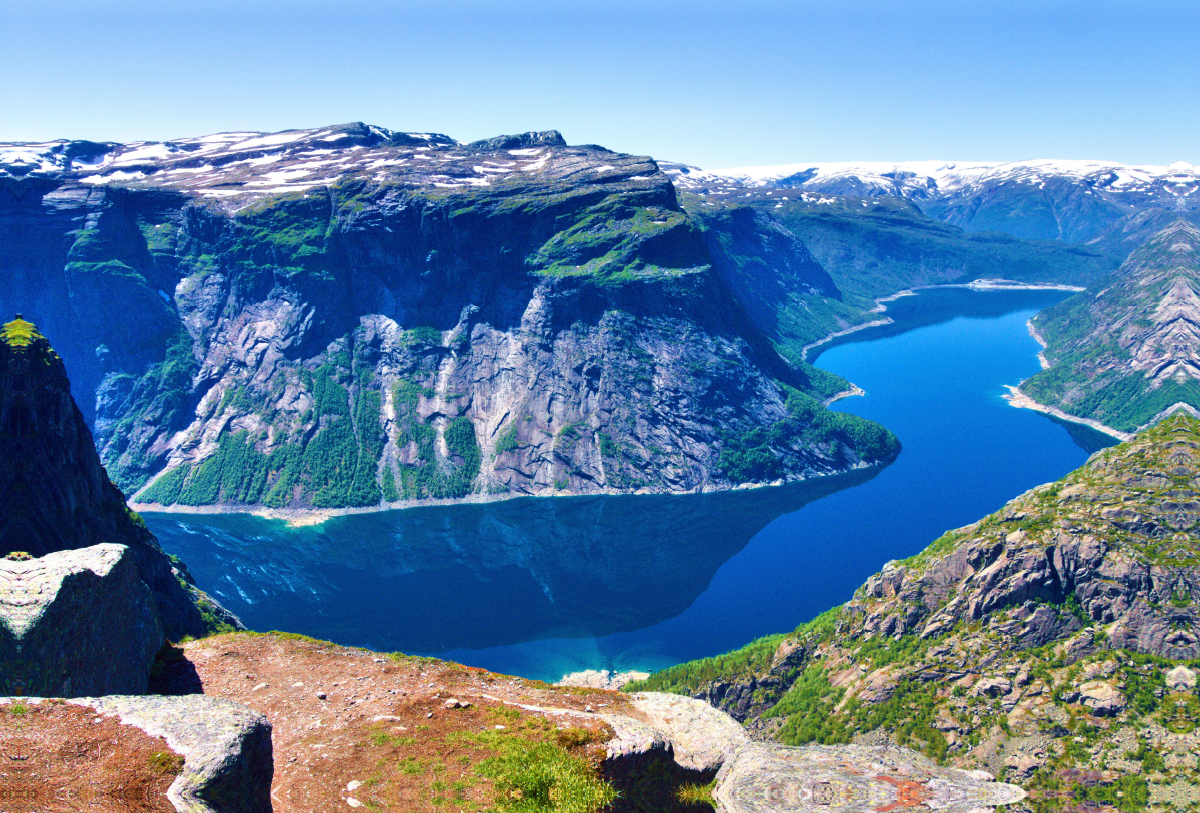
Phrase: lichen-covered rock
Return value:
(701, 737)
(76, 623)
(767, 778)
(228, 763)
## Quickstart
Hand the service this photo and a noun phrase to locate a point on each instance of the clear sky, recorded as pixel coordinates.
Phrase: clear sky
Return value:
(715, 83)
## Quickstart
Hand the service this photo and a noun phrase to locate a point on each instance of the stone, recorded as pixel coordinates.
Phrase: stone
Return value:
(701, 736)
(228, 763)
(58, 614)
(762, 778)
(1181, 679)
(992, 687)
(1102, 698)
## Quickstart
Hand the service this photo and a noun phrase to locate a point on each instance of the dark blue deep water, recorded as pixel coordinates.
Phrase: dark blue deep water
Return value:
(541, 587)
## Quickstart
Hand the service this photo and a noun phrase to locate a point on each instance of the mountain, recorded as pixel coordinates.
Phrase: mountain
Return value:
(1054, 641)
(1128, 347)
(1089, 202)
(352, 316)
(55, 494)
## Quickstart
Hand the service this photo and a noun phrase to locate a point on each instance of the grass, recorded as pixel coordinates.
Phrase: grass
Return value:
(19, 333)
(540, 777)
(166, 763)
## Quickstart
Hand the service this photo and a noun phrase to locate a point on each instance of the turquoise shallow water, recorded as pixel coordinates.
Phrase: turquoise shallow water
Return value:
(541, 587)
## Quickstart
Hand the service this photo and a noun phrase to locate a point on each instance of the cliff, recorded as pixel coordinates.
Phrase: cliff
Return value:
(352, 316)
(1128, 347)
(54, 492)
(1052, 641)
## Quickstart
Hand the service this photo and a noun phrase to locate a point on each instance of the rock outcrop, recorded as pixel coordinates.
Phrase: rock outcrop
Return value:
(768, 778)
(1061, 619)
(228, 763)
(667, 739)
(415, 319)
(1128, 348)
(56, 496)
(76, 623)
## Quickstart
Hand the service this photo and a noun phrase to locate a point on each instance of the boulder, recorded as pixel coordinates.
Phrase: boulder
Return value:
(76, 623)
(228, 763)
(1103, 699)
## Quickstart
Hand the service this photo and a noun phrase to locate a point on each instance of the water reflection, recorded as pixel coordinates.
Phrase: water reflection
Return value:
(475, 576)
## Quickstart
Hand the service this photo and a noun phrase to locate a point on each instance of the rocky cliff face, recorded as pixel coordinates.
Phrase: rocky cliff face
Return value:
(1129, 347)
(55, 494)
(352, 316)
(1067, 618)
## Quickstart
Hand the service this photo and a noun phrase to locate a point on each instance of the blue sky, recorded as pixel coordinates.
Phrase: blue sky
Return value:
(714, 84)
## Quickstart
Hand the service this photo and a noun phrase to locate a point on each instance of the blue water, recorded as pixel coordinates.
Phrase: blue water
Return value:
(541, 587)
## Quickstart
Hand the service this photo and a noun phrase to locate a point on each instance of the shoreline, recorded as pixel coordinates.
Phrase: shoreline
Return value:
(1020, 400)
(307, 517)
(853, 391)
(974, 285)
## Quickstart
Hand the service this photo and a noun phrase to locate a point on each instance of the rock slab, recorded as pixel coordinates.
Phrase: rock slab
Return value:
(76, 623)
(228, 763)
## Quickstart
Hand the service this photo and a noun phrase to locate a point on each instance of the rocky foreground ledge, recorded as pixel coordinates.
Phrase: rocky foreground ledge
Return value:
(349, 727)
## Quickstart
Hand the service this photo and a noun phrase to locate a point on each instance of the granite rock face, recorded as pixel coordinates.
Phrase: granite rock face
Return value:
(228, 763)
(76, 623)
(56, 496)
(1128, 348)
(415, 319)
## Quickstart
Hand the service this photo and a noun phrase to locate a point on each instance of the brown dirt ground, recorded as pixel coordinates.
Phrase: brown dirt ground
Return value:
(56, 757)
(383, 722)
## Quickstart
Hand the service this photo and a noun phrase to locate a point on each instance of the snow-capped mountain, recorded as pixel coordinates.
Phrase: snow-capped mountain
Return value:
(249, 165)
(1076, 201)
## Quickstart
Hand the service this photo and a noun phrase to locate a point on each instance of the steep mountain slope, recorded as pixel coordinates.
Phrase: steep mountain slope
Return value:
(1093, 202)
(1129, 347)
(1054, 640)
(835, 256)
(350, 316)
(55, 495)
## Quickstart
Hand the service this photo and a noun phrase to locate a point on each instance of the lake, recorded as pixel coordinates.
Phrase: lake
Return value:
(544, 586)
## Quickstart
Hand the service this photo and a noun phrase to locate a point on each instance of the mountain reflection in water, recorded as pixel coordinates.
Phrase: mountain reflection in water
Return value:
(437, 578)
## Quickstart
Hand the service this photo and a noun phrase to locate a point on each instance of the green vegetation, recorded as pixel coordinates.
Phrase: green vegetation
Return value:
(427, 476)
(540, 777)
(166, 763)
(507, 441)
(685, 678)
(19, 333)
(1089, 342)
(752, 455)
(337, 467)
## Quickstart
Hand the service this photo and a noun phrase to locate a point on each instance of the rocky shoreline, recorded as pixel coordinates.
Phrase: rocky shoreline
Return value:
(1020, 400)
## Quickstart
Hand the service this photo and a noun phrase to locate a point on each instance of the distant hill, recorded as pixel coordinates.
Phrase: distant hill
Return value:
(1128, 347)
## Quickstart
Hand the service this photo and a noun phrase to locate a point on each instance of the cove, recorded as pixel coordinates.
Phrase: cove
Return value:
(544, 586)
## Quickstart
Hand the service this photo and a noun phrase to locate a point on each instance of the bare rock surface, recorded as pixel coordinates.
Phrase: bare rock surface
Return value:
(601, 678)
(701, 736)
(850, 778)
(58, 614)
(228, 762)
